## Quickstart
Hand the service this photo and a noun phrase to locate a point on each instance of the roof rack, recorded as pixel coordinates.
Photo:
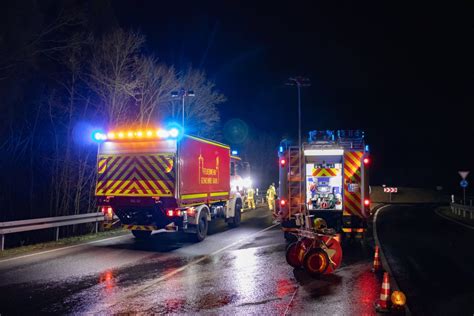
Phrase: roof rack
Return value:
(348, 139)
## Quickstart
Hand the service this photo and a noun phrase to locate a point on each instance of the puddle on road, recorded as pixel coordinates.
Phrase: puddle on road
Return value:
(212, 300)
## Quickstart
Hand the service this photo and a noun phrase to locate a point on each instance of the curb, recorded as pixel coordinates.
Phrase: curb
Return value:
(438, 212)
(385, 264)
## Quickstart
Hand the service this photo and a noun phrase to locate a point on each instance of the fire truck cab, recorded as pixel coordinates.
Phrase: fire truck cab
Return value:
(327, 177)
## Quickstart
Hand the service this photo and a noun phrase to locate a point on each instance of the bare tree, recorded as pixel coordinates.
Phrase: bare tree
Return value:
(136, 90)
(155, 82)
(72, 166)
(114, 72)
(201, 112)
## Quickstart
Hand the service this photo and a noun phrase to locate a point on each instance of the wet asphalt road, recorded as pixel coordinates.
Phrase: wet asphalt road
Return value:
(432, 259)
(234, 271)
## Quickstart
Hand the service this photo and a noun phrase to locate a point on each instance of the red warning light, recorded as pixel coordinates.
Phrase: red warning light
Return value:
(282, 162)
(366, 202)
(282, 202)
(366, 160)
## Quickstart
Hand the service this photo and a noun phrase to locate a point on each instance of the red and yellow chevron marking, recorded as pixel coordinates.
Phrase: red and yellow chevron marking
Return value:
(352, 174)
(102, 165)
(135, 175)
(325, 172)
(140, 227)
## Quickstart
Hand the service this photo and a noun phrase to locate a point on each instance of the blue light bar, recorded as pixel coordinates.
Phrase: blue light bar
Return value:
(99, 136)
(281, 149)
(174, 132)
(235, 152)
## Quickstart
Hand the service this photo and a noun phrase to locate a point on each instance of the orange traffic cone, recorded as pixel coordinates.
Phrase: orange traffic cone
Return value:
(377, 264)
(382, 304)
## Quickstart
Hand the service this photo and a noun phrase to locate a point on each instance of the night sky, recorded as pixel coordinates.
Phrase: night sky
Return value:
(403, 73)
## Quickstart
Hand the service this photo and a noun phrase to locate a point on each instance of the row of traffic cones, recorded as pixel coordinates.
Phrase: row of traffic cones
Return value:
(383, 303)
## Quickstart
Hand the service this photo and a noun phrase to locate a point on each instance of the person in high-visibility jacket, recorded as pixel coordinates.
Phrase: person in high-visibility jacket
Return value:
(271, 193)
(251, 198)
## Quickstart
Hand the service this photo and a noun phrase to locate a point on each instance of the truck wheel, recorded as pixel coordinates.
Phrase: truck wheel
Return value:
(316, 261)
(141, 234)
(201, 227)
(235, 222)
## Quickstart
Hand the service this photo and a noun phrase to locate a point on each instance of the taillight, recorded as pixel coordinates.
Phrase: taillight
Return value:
(174, 213)
(282, 202)
(107, 210)
(366, 160)
(282, 162)
(191, 211)
(366, 202)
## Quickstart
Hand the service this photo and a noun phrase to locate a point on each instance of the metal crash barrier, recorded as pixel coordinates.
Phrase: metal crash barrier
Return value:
(48, 222)
(462, 210)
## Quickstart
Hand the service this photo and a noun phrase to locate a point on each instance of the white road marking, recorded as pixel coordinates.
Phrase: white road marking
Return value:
(62, 248)
(376, 236)
(291, 301)
(383, 258)
(123, 298)
(453, 220)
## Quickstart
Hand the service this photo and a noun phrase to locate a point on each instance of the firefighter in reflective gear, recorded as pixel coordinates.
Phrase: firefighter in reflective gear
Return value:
(319, 223)
(251, 198)
(271, 192)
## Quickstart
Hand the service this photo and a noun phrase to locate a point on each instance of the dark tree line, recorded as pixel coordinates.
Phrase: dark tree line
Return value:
(61, 76)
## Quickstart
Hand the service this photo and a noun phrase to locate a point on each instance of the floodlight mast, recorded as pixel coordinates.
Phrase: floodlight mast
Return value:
(182, 93)
(299, 82)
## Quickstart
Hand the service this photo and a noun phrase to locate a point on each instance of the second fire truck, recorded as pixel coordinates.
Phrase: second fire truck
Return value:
(328, 178)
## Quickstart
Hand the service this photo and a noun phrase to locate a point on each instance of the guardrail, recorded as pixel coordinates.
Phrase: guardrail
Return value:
(48, 222)
(462, 210)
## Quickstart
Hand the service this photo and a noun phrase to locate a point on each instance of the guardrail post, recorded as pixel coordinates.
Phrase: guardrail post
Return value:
(96, 227)
(57, 233)
(2, 243)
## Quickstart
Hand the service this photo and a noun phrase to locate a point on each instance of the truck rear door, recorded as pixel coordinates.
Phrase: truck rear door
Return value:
(136, 169)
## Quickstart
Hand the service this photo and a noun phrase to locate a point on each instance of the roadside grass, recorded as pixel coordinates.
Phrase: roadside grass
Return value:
(11, 252)
(446, 211)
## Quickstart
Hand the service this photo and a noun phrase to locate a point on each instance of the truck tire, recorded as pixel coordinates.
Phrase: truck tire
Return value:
(235, 221)
(141, 234)
(201, 227)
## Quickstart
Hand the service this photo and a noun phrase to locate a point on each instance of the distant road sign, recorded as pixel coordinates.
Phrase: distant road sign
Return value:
(463, 174)
(464, 184)
(390, 190)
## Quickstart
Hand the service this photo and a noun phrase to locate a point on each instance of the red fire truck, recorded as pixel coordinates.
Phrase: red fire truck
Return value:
(159, 180)
(327, 177)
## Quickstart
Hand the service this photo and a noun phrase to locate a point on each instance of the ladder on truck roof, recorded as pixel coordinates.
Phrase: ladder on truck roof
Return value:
(295, 181)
